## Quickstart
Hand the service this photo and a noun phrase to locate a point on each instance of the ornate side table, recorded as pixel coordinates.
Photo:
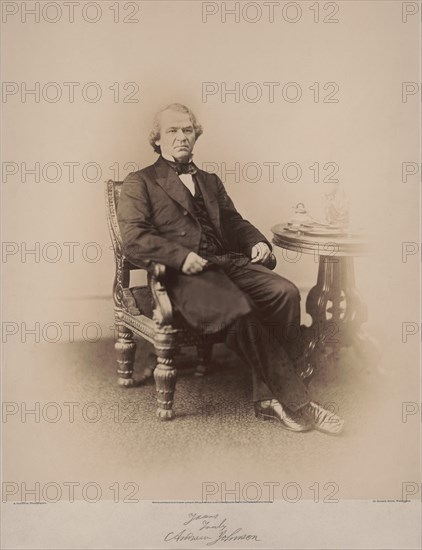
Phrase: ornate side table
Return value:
(334, 304)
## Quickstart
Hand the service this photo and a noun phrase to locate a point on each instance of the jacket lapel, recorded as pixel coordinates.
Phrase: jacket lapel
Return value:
(173, 186)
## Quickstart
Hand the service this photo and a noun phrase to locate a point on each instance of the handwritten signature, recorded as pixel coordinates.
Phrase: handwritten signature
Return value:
(210, 528)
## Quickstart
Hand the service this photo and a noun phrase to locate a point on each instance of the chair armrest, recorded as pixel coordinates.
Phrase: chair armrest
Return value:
(163, 310)
(158, 271)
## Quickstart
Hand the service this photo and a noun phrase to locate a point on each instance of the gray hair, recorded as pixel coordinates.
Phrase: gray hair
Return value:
(156, 125)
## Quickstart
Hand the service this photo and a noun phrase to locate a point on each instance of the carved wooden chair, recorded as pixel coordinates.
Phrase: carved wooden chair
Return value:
(147, 312)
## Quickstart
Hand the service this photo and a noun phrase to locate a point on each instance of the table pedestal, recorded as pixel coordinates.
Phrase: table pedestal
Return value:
(334, 304)
(337, 311)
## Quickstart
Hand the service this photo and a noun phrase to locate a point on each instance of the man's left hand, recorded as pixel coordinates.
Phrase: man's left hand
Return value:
(260, 253)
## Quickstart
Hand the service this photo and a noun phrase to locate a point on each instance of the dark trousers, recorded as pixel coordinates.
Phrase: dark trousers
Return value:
(269, 338)
(260, 314)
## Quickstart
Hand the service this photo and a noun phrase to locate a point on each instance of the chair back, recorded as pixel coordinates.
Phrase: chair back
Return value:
(123, 266)
(113, 190)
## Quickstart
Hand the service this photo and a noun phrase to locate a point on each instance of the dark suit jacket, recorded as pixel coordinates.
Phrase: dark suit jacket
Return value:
(157, 223)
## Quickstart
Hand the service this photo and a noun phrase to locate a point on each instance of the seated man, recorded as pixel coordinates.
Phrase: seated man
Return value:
(176, 214)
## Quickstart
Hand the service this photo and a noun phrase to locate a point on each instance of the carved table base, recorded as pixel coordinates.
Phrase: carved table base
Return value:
(337, 311)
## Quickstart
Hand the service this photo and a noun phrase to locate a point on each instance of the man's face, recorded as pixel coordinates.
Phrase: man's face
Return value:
(177, 135)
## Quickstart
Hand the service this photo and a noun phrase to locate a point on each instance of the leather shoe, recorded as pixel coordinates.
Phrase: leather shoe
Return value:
(323, 420)
(273, 410)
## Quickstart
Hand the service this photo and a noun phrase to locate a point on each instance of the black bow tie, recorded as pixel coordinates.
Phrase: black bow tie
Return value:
(187, 168)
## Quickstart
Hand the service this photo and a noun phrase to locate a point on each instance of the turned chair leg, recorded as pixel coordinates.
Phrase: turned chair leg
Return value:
(125, 347)
(165, 373)
(204, 351)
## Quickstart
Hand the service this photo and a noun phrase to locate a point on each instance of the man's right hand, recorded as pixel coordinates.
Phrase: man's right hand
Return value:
(193, 264)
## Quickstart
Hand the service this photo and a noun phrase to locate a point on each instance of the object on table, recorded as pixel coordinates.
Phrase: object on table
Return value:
(336, 223)
(300, 217)
(336, 206)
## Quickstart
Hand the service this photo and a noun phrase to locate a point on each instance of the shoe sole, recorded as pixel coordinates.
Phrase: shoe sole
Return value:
(322, 430)
(271, 418)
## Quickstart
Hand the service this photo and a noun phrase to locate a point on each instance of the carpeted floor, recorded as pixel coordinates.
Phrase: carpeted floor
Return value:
(114, 435)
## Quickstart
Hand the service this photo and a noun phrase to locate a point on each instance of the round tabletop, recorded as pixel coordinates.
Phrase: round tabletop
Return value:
(323, 245)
